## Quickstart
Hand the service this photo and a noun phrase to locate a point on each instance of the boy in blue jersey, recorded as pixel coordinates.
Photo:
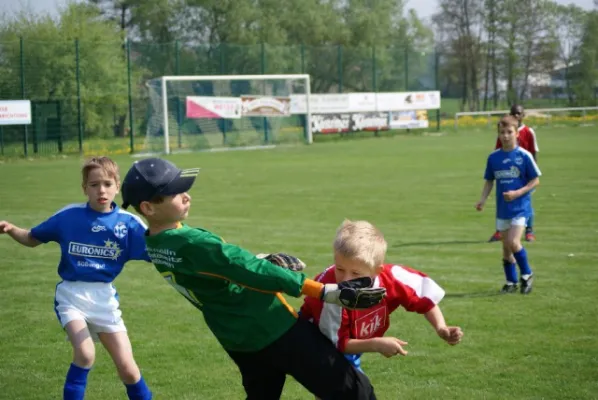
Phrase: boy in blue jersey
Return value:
(96, 239)
(516, 175)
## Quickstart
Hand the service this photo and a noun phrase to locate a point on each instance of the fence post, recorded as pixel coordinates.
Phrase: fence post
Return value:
(437, 79)
(302, 50)
(179, 111)
(78, 78)
(374, 85)
(263, 68)
(1, 141)
(340, 68)
(406, 68)
(22, 61)
(222, 47)
(131, 123)
(263, 58)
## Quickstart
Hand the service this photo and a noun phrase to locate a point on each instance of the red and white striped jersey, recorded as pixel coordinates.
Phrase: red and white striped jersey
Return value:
(526, 138)
(406, 287)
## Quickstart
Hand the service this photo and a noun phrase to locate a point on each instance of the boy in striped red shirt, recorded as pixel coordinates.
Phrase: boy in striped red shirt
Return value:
(360, 250)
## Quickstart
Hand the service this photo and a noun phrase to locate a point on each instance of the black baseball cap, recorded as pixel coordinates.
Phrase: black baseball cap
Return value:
(151, 177)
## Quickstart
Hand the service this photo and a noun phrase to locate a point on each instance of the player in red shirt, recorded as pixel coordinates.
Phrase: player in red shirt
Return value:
(526, 139)
(359, 250)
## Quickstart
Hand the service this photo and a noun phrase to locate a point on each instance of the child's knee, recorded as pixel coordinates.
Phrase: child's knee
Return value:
(128, 372)
(84, 356)
(511, 243)
(515, 245)
(506, 249)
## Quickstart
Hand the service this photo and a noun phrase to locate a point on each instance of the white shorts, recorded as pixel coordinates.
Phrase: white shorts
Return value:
(505, 224)
(93, 302)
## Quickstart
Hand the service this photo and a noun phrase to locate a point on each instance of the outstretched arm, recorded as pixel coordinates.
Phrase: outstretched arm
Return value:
(387, 346)
(450, 334)
(232, 263)
(20, 235)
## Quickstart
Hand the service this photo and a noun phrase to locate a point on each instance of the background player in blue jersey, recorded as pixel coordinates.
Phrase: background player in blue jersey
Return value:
(96, 239)
(516, 175)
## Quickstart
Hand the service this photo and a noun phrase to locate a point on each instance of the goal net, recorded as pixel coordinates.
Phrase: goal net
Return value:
(190, 113)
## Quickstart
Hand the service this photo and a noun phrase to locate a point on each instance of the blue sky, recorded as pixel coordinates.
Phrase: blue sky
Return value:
(424, 8)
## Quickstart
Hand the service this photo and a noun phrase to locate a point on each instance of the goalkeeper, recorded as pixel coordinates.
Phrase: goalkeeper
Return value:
(239, 293)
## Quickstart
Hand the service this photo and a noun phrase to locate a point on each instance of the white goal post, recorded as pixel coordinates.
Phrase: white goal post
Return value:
(549, 111)
(164, 80)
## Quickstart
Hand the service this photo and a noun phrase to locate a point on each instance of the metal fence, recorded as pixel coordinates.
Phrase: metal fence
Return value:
(91, 97)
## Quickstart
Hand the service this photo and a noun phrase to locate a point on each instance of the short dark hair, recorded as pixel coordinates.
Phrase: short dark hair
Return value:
(515, 107)
(508, 120)
(159, 199)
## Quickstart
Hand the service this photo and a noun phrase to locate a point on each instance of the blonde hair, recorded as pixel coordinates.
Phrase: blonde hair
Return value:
(105, 163)
(360, 240)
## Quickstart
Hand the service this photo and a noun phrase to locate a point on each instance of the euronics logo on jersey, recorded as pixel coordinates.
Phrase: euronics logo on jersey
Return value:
(110, 250)
(511, 173)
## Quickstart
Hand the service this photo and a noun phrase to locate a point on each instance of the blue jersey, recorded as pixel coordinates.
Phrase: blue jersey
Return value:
(95, 246)
(512, 170)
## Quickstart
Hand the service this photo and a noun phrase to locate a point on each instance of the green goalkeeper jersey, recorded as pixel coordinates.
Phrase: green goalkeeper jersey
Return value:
(237, 292)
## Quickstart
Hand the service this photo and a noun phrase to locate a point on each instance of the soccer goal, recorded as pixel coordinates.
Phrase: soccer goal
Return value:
(190, 113)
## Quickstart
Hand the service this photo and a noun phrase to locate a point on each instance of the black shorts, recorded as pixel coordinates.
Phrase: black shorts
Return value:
(308, 356)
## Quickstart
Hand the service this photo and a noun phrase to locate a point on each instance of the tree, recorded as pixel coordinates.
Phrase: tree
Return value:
(491, 26)
(586, 86)
(569, 27)
(462, 26)
(50, 58)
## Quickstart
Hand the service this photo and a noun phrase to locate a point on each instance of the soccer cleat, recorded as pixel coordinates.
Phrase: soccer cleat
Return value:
(509, 288)
(526, 284)
(497, 237)
(530, 237)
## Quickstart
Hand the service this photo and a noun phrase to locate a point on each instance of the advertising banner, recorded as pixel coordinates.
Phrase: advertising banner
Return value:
(213, 107)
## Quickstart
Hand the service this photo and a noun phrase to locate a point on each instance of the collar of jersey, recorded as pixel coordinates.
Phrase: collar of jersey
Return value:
(114, 209)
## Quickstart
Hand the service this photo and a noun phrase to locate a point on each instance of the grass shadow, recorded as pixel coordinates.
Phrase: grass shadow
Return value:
(438, 243)
(488, 293)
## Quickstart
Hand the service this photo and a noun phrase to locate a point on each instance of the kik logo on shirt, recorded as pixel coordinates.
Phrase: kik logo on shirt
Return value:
(366, 326)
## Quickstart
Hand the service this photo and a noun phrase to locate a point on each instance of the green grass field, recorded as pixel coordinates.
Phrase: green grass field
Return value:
(420, 190)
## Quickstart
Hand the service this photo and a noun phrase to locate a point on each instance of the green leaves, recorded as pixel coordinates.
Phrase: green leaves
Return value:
(49, 58)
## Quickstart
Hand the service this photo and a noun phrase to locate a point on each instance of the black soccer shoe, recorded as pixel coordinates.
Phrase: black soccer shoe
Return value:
(526, 284)
(509, 288)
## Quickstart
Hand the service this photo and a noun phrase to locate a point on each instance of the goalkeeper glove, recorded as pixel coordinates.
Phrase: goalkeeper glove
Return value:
(284, 260)
(353, 294)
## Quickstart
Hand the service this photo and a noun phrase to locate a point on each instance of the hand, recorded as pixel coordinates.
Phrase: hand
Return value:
(6, 227)
(390, 347)
(479, 205)
(355, 294)
(284, 260)
(510, 195)
(450, 334)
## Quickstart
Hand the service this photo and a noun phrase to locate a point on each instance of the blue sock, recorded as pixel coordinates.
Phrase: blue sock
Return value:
(521, 257)
(510, 271)
(139, 391)
(76, 381)
(530, 223)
